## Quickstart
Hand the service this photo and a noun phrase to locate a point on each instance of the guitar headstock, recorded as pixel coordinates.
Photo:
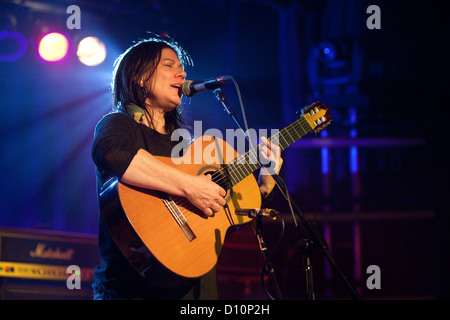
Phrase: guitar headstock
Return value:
(318, 115)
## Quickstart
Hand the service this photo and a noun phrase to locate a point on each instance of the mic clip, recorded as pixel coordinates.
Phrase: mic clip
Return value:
(257, 213)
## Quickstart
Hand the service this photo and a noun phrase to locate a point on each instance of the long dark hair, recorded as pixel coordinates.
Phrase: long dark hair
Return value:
(137, 65)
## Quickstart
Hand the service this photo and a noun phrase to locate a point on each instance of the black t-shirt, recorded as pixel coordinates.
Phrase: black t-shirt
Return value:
(117, 140)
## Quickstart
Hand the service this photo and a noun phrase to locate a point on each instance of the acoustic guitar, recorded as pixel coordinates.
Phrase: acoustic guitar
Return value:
(162, 234)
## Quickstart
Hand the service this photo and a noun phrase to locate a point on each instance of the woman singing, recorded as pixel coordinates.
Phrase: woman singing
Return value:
(147, 95)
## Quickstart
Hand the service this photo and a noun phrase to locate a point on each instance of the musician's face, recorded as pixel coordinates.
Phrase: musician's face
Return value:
(165, 84)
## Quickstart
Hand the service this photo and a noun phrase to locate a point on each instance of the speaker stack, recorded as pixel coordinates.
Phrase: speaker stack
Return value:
(34, 265)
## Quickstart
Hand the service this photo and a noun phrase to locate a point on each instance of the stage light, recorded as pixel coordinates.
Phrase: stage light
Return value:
(326, 51)
(12, 45)
(91, 51)
(53, 47)
(334, 63)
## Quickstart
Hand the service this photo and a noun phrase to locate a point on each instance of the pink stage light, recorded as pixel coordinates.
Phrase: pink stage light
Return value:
(53, 47)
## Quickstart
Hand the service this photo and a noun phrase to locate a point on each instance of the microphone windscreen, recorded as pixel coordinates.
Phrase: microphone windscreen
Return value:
(186, 88)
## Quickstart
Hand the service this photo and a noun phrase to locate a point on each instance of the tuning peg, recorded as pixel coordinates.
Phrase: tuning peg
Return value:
(301, 112)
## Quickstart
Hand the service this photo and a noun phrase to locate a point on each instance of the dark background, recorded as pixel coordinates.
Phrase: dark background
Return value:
(387, 89)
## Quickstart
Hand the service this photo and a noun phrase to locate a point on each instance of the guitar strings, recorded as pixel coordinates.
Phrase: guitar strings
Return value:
(234, 168)
(173, 210)
(236, 172)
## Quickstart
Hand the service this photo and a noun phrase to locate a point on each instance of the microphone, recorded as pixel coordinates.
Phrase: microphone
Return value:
(189, 88)
(255, 213)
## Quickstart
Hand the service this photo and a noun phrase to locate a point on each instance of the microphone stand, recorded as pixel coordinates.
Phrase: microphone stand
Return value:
(306, 244)
(257, 227)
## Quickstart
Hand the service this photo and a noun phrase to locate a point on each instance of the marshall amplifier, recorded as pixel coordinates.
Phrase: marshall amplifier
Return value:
(34, 264)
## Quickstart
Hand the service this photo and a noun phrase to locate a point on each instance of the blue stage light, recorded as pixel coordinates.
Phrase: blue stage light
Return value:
(13, 45)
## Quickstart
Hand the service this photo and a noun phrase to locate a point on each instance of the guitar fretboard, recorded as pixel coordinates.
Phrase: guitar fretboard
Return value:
(247, 163)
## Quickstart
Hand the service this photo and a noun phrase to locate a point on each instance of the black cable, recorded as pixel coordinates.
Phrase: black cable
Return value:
(267, 258)
(241, 104)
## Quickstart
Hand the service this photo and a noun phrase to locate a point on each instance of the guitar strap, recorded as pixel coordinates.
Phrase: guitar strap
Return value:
(136, 112)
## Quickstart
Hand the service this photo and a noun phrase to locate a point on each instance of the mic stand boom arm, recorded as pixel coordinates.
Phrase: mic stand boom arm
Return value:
(315, 238)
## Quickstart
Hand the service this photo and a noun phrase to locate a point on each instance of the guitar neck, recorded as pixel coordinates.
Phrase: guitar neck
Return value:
(291, 133)
(247, 163)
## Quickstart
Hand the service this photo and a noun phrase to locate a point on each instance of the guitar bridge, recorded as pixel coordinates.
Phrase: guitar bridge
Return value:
(179, 218)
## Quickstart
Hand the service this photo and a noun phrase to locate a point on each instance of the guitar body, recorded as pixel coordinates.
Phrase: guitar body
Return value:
(149, 235)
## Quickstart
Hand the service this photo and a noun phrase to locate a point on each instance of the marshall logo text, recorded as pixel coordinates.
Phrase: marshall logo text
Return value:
(43, 252)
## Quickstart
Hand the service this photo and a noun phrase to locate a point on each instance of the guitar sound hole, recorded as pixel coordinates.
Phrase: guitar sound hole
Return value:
(219, 178)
